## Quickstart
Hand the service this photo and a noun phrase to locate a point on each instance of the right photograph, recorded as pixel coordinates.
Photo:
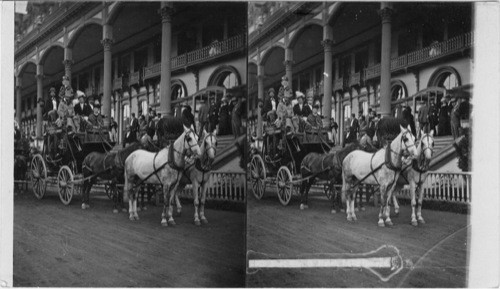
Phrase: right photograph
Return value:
(359, 132)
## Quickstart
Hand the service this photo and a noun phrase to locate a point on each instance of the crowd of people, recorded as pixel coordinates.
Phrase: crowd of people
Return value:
(294, 113)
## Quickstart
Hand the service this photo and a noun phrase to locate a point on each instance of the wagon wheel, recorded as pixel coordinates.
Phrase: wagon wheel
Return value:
(258, 175)
(66, 184)
(284, 185)
(38, 176)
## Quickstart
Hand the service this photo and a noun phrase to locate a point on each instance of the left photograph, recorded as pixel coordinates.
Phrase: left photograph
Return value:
(130, 133)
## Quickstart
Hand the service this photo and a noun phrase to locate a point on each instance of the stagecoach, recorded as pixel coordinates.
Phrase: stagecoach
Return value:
(280, 157)
(61, 162)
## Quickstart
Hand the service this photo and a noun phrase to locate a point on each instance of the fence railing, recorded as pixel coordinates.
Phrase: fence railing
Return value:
(449, 187)
(434, 51)
(223, 186)
(211, 51)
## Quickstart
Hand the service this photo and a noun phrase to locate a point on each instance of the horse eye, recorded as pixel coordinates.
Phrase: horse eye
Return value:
(188, 139)
(405, 139)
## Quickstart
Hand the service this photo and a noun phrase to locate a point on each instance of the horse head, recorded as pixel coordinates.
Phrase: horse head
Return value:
(408, 147)
(209, 144)
(191, 141)
(426, 144)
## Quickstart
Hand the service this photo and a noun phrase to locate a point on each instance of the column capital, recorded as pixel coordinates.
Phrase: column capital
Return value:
(107, 43)
(166, 13)
(386, 14)
(67, 62)
(288, 63)
(327, 44)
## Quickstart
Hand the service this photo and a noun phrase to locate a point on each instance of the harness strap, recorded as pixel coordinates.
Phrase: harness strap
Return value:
(154, 168)
(373, 172)
(388, 159)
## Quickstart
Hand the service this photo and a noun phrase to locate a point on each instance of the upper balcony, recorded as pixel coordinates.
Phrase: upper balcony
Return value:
(425, 55)
(207, 53)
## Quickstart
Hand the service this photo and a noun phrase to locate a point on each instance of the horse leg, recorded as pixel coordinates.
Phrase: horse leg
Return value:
(346, 193)
(204, 188)
(196, 203)
(165, 203)
(396, 205)
(383, 191)
(140, 195)
(388, 221)
(420, 202)
(116, 199)
(172, 193)
(127, 188)
(136, 197)
(178, 202)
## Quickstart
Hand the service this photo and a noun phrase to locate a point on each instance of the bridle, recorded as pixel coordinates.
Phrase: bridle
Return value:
(205, 162)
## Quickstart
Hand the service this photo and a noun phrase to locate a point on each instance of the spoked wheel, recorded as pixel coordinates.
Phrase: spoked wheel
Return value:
(38, 176)
(284, 185)
(66, 184)
(258, 175)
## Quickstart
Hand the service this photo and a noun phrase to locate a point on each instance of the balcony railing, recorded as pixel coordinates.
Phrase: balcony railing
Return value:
(201, 55)
(355, 79)
(449, 187)
(435, 51)
(134, 78)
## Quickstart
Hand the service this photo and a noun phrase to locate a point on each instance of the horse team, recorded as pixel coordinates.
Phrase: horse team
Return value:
(400, 161)
(173, 166)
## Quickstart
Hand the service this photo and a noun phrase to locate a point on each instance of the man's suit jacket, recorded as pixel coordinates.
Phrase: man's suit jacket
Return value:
(48, 106)
(304, 112)
(85, 111)
(134, 127)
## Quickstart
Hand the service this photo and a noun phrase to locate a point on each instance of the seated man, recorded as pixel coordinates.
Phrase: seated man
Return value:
(95, 119)
(314, 120)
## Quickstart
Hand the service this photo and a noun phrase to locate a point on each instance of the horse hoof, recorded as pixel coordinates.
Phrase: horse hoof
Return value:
(204, 221)
(131, 218)
(421, 221)
(197, 222)
(349, 219)
(136, 217)
(381, 223)
(171, 222)
(354, 219)
(389, 223)
(164, 223)
(414, 223)
(115, 211)
(333, 212)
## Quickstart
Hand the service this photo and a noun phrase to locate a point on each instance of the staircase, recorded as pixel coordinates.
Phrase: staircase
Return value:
(440, 142)
(223, 142)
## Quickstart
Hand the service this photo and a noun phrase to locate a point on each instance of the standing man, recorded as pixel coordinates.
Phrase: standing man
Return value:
(203, 116)
(269, 103)
(114, 130)
(213, 114)
(134, 127)
(455, 119)
(236, 116)
(423, 117)
(353, 129)
(151, 128)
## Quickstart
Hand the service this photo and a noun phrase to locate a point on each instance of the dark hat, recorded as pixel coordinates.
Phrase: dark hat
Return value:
(316, 106)
(52, 89)
(97, 105)
(271, 90)
(234, 98)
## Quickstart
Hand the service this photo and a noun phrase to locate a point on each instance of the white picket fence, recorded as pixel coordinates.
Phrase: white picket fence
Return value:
(449, 187)
(223, 186)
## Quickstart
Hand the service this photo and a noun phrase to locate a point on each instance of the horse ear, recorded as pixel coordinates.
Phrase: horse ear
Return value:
(215, 132)
(408, 128)
(185, 127)
(421, 132)
(432, 132)
(402, 128)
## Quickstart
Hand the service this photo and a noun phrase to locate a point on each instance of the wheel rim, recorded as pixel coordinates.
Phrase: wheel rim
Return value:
(284, 185)
(38, 176)
(66, 184)
(258, 175)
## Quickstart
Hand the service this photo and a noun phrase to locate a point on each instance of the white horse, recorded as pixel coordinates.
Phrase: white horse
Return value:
(416, 174)
(380, 168)
(197, 172)
(164, 167)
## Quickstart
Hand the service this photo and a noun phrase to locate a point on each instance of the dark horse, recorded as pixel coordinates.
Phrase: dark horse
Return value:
(106, 166)
(324, 167)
